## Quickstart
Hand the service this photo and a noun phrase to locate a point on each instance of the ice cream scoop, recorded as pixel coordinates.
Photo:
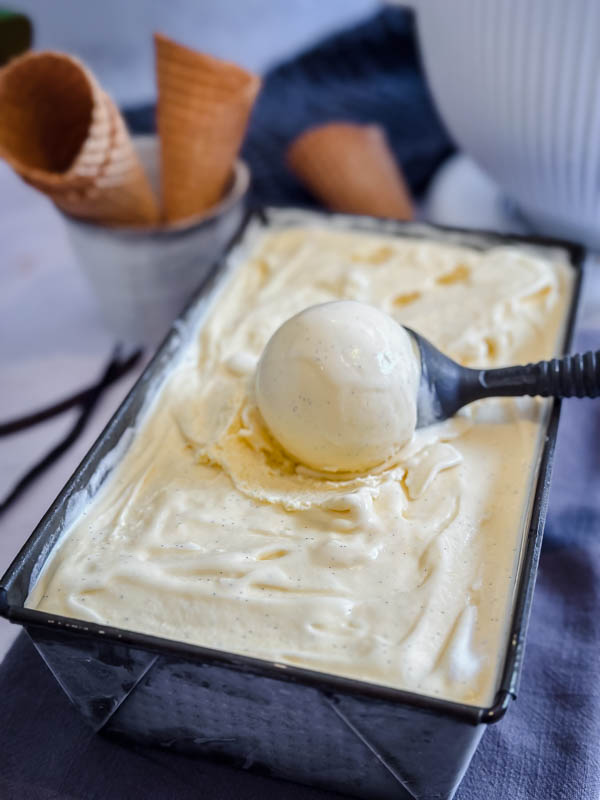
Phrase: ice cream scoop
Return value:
(337, 386)
(342, 386)
(446, 386)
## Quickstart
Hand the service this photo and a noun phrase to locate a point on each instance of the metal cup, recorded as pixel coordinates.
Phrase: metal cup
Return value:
(143, 277)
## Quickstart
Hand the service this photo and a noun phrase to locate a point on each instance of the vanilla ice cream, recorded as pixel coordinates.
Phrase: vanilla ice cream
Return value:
(337, 386)
(209, 531)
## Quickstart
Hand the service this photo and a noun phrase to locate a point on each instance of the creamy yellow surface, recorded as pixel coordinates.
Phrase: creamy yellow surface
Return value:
(207, 533)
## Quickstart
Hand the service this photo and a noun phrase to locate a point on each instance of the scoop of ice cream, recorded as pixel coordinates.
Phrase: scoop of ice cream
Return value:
(337, 386)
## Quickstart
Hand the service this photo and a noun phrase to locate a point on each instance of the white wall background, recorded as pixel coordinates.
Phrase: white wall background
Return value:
(115, 36)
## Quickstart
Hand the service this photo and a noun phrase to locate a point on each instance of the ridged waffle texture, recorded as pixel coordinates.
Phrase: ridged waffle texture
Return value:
(63, 134)
(351, 168)
(203, 109)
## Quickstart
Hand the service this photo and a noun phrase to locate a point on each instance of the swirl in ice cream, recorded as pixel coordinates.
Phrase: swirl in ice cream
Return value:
(209, 531)
(337, 386)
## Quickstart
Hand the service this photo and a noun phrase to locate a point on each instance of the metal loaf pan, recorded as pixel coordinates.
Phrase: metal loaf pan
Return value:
(337, 733)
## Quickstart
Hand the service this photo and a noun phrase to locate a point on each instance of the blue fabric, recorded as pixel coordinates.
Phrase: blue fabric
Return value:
(548, 745)
(368, 74)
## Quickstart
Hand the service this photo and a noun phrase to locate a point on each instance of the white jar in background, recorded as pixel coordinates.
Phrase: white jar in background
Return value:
(517, 83)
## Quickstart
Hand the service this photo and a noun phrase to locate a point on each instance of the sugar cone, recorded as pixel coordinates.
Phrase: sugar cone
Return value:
(203, 109)
(119, 193)
(62, 134)
(351, 168)
(50, 106)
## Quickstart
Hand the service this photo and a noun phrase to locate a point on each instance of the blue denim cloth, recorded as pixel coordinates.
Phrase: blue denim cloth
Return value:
(548, 745)
(370, 73)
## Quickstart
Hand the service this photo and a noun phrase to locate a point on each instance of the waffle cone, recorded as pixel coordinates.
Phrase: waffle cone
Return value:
(351, 168)
(120, 192)
(203, 109)
(62, 134)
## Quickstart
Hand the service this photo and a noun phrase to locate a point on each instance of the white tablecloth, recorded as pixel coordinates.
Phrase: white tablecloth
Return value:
(52, 343)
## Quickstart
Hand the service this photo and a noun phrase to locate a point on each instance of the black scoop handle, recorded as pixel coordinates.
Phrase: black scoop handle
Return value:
(572, 376)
